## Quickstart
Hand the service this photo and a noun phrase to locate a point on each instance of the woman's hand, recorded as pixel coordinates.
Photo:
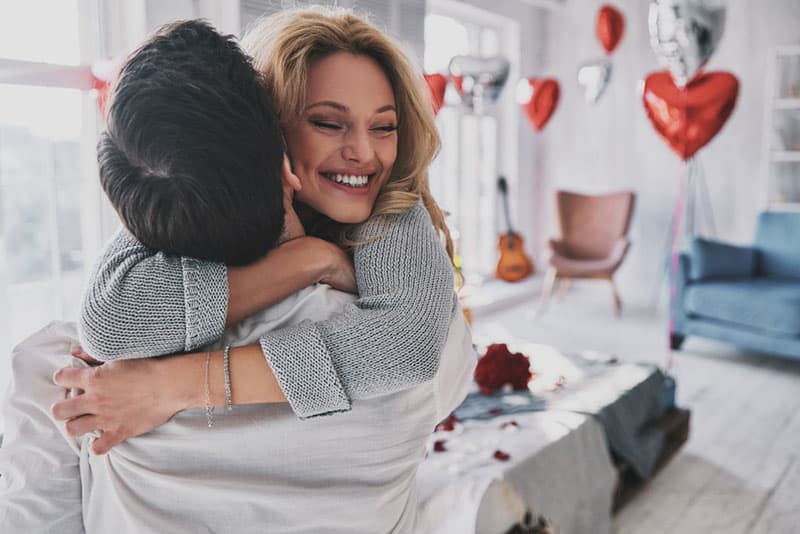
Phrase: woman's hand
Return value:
(339, 272)
(123, 398)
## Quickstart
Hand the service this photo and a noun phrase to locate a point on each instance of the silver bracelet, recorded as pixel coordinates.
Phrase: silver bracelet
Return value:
(226, 365)
(209, 408)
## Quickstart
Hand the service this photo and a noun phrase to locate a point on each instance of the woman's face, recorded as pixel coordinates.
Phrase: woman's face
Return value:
(344, 143)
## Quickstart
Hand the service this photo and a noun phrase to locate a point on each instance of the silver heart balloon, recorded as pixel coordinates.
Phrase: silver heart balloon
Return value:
(684, 34)
(479, 80)
(593, 77)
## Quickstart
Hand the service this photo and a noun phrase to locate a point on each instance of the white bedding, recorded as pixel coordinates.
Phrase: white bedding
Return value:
(559, 467)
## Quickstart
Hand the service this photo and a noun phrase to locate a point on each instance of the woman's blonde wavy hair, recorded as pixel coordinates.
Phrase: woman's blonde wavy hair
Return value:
(284, 46)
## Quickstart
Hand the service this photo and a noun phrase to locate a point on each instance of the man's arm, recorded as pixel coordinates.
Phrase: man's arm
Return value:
(40, 482)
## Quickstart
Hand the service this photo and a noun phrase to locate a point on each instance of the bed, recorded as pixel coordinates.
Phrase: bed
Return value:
(553, 450)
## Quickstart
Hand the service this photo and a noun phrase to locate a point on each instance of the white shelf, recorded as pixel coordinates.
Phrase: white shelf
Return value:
(787, 103)
(781, 168)
(785, 155)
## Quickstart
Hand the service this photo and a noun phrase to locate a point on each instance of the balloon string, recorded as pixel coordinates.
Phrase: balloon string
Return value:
(675, 254)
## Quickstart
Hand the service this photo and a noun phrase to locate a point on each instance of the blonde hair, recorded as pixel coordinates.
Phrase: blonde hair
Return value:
(284, 46)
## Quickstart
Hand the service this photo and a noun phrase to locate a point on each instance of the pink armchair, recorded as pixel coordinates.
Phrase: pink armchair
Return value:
(593, 239)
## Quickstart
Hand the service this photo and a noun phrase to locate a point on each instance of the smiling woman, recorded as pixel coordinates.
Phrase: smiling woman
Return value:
(344, 145)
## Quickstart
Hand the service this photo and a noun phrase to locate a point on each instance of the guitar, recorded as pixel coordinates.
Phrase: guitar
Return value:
(513, 264)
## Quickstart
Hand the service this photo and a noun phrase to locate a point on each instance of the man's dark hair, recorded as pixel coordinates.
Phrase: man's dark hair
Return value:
(191, 157)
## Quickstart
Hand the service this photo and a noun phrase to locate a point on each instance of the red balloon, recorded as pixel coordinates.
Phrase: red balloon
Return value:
(103, 88)
(610, 27)
(437, 84)
(689, 117)
(458, 81)
(542, 102)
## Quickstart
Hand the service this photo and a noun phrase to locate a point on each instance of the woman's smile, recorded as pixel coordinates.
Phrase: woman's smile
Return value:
(356, 182)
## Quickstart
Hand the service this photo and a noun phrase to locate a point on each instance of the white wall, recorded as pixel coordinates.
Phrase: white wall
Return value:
(611, 145)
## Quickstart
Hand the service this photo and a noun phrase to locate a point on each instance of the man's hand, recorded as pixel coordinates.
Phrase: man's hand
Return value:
(123, 399)
(79, 353)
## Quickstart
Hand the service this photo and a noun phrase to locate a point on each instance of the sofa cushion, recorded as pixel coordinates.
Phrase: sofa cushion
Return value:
(760, 303)
(778, 244)
(715, 259)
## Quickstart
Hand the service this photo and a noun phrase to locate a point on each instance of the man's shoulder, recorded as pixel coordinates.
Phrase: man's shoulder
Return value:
(31, 390)
(48, 346)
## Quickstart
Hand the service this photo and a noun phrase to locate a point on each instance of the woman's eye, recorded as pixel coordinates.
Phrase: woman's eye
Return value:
(326, 125)
(387, 128)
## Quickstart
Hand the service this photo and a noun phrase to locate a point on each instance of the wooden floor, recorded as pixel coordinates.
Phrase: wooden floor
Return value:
(740, 470)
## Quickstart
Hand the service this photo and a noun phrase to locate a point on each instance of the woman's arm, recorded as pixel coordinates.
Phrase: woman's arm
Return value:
(390, 339)
(142, 303)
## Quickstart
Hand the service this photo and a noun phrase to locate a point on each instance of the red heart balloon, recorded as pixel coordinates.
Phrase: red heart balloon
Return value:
(689, 117)
(437, 84)
(542, 102)
(610, 27)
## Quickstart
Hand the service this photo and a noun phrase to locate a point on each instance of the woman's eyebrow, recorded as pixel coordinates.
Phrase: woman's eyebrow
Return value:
(329, 103)
(341, 107)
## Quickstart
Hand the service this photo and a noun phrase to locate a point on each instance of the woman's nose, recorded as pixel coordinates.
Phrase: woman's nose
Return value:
(358, 146)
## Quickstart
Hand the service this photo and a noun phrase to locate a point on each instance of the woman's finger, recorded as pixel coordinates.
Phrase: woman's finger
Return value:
(69, 408)
(84, 424)
(72, 377)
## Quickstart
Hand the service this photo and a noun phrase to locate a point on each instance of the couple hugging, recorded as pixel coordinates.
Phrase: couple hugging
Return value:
(239, 391)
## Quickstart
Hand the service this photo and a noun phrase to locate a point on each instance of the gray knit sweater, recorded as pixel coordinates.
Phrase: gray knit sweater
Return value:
(141, 303)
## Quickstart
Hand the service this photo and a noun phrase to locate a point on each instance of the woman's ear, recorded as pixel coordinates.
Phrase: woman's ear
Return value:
(290, 179)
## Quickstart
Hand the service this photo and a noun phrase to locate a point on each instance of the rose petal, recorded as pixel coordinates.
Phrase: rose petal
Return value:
(501, 456)
(448, 425)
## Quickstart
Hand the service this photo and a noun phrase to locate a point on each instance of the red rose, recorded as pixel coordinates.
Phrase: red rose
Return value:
(499, 367)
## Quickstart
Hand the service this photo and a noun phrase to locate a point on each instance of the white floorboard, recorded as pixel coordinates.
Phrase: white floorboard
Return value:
(740, 470)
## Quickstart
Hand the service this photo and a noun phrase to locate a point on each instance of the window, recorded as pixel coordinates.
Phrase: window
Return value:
(475, 149)
(49, 198)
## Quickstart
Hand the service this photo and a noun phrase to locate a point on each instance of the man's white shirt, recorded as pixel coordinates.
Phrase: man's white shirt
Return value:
(260, 469)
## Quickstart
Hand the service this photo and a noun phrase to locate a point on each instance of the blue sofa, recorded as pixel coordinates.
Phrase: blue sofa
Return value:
(748, 296)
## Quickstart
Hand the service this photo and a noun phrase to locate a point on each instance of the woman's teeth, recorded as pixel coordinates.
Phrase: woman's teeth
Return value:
(349, 179)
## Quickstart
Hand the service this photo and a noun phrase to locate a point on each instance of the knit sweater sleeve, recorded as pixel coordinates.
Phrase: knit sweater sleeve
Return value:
(390, 339)
(140, 303)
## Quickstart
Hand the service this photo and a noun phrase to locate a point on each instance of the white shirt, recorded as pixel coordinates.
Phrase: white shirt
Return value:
(260, 469)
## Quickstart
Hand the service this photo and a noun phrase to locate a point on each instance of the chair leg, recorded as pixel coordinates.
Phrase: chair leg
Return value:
(617, 300)
(563, 286)
(547, 289)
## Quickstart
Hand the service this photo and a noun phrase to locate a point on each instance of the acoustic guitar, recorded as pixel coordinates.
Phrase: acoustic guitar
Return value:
(513, 264)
